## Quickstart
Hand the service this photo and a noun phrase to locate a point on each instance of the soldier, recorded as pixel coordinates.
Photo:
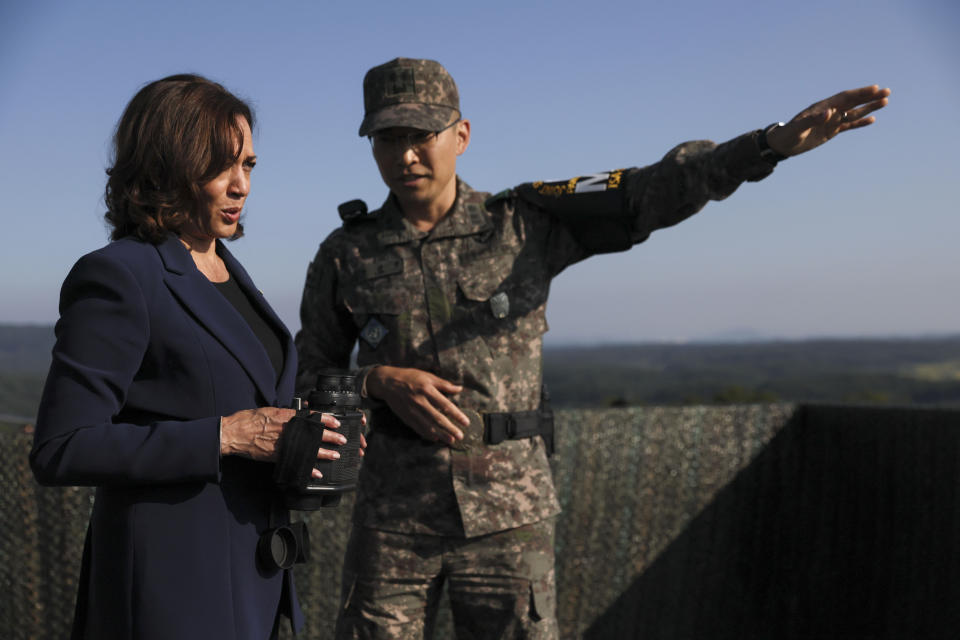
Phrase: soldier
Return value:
(446, 288)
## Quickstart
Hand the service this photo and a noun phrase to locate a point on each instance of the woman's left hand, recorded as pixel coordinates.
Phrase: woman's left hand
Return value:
(334, 438)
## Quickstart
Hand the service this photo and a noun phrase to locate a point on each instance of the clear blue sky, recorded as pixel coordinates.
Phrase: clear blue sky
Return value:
(856, 238)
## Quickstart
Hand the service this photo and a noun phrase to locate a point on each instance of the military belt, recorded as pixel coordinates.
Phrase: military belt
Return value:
(514, 425)
(497, 427)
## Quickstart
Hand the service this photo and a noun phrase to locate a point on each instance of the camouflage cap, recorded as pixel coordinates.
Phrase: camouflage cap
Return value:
(408, 93)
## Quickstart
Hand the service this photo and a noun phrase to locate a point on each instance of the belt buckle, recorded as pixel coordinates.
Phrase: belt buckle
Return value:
(473, 434)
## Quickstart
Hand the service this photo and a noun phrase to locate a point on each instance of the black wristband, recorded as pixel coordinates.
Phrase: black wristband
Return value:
(766, 152)
(297, 450)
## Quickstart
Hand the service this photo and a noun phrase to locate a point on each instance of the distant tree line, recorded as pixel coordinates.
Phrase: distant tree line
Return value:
(922, 371)
(881, 372)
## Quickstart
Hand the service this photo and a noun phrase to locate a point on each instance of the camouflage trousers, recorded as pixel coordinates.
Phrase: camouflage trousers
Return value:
(501, 586)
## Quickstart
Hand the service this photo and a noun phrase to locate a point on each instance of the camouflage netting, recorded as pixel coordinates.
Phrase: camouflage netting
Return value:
(42, 540)
(723, 522)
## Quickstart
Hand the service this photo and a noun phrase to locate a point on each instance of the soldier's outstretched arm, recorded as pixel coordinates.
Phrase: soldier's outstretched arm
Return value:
(614, 210)
(823, 120)
(420, 400)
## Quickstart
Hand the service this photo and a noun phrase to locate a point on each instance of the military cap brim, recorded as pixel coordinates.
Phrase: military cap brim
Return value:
(415, 115)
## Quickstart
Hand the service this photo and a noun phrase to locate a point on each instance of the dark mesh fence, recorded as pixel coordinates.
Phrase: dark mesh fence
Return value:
(723, 522)
(41, 541)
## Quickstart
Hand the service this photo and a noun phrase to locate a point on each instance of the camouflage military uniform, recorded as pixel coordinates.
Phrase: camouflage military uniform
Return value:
(466, 301)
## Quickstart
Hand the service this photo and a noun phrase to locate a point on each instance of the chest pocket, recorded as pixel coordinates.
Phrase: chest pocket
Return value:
(377, 287)
(481, 278)
(504, 295)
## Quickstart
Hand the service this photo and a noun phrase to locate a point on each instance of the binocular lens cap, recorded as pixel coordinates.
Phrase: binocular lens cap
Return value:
(278, 548)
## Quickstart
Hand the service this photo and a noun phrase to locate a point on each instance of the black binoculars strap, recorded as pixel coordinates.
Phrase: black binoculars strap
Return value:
(298, 447)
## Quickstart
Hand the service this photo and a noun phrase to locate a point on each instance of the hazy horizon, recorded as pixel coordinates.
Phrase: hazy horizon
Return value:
(733, 336)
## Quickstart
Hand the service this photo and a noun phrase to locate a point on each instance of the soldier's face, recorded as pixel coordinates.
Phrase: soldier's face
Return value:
(421, 175)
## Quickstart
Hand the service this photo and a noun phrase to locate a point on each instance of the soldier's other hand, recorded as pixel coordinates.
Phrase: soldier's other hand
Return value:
(823, 120)
(420, 400)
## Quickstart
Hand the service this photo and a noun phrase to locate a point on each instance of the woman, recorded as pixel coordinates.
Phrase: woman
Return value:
(166, 384)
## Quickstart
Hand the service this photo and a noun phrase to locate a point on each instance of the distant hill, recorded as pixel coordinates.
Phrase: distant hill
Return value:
(851, 371)
(24, 360)
(893, 371)
(25, 348)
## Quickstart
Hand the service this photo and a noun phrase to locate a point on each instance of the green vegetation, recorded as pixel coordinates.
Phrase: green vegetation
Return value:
(884, 372)
(25, 348)
(24, 360)
(906, 372)
(20, 395)
(936, 371)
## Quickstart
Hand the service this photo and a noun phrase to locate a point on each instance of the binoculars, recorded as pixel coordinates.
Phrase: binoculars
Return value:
(335, 393)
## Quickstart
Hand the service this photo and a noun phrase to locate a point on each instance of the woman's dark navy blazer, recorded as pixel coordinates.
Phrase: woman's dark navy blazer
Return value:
(148, 356)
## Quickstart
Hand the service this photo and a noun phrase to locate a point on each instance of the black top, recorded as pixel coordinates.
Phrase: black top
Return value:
(261, 328)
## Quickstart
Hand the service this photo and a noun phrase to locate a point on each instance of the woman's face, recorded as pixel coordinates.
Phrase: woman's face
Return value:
(225, 195)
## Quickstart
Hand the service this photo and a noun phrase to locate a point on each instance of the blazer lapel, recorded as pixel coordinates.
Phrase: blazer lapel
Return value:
(217, 315)
(287, 377)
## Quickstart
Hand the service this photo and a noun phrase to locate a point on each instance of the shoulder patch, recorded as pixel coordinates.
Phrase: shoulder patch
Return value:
(604, 181)
(593, 208)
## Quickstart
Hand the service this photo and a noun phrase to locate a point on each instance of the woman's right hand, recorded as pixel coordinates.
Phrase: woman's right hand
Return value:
(253, 433)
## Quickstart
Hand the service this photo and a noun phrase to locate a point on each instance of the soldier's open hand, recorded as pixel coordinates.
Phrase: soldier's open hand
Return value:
(420, 400)
(823, 120)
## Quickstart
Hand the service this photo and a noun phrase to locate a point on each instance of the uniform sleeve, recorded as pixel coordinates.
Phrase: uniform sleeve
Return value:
(102, 336)
(690, 175)
(327, 331)
(614, 210)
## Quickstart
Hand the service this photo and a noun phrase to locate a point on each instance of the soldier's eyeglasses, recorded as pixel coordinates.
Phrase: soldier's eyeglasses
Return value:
(418, 141)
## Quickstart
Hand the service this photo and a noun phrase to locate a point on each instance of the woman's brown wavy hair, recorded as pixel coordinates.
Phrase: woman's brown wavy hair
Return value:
(176, 135)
